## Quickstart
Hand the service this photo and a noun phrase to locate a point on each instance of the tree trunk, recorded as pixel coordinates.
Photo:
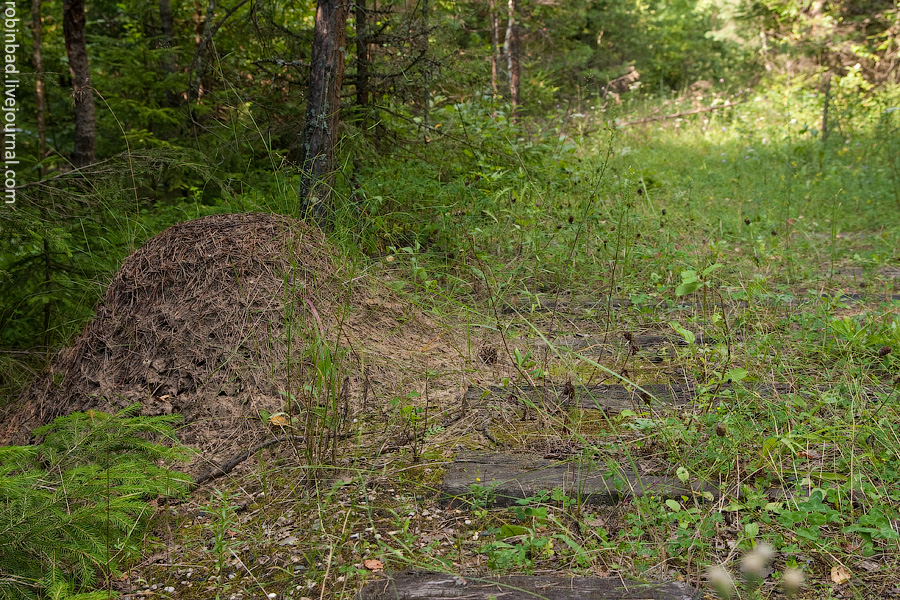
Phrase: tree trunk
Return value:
(40, 95)
(495, 45)
(323, 103)
(166, 43)
(166, 22)
(426, 74)
(198, 65)
(76, 49)
(825, 123)
(512, 56)
(40, 101)
(362, 59)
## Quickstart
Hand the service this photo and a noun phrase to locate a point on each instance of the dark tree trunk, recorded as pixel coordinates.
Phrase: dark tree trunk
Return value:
(76, 49)
(166, 22)
(40, 101)
(512, 56)
(426, 74)
(323, 103)
(362, 58)
(198, 65)
(166, 42)
(204, 42)
(40, 95)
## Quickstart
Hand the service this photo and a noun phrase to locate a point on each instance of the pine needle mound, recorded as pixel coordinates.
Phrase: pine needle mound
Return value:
(197, 322)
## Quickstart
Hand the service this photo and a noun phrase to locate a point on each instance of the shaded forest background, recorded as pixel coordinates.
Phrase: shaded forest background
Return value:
(200, 108)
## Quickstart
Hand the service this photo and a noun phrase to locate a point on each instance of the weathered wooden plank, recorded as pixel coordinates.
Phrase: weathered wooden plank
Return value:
(614, 398)
(611, 397)
(511, 477)
(412, 585)
(609, 344)
(581, 305)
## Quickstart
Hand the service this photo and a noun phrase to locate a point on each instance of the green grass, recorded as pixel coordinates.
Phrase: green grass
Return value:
(628, 213)
(740, 224)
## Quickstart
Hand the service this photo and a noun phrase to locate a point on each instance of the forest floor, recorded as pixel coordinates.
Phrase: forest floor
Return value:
(665, 354)
(569, 434)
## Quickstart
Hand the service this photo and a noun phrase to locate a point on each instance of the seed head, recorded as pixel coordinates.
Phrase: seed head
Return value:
(792, 581)
(720, 580)
(767, 551)
(755, 563)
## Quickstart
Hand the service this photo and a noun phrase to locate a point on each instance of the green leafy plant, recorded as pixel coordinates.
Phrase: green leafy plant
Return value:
(527, 366)
(520, 543)
(223, 514)
(76, 506)
(534, 534)
(865, 339)
(692, 280)
(872, 527)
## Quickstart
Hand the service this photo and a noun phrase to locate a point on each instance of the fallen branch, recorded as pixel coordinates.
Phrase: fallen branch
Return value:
(230, 464)
(681, 114)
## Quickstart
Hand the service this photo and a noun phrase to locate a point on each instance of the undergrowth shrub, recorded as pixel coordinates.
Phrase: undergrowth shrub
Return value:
(76, 505)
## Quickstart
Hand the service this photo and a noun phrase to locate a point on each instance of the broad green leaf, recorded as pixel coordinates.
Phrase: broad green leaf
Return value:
(751, 530)
(735, 375)
(688, 335)
(508, 531)
(710, 269)
(687, 288)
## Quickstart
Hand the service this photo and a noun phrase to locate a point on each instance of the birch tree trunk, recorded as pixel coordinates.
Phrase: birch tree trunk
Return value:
(512, 56)
(495, 45)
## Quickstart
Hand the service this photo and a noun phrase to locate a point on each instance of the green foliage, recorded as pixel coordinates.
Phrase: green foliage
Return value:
(839, 35)
(223, 514)
(671, 44)
(462, 205)
(56, 256)
(864, 340)
(691, 280)
(518, 545)
(76, 505)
